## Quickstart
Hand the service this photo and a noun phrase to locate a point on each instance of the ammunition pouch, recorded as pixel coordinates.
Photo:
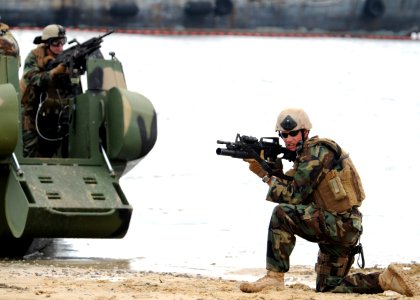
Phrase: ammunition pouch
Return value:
(340, 190)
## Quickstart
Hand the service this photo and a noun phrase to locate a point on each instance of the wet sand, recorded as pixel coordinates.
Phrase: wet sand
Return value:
(101, 280)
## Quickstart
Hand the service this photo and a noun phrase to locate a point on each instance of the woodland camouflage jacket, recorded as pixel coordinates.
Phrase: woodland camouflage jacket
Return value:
(310, 166)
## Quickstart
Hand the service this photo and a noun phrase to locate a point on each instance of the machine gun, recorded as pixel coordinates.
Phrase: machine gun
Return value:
(75, 57)
(249, 147)
(110, 132)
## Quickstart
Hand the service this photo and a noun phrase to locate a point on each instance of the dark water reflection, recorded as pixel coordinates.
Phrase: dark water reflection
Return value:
(61, 253)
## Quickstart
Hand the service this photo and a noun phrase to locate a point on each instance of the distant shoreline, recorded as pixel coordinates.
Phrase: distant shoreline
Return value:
(260, 32)
(376, 17)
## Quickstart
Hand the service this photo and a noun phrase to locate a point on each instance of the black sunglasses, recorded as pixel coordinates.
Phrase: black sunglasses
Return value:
(284, 135)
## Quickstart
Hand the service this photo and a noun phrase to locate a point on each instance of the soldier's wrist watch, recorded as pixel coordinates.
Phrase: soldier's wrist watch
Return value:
(266, 178)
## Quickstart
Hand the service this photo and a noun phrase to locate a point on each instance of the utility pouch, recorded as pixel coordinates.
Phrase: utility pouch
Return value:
(331, 195)
(340, 190)
(335, 185)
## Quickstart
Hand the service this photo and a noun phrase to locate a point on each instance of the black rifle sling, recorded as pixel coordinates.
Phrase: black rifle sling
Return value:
(265, 165)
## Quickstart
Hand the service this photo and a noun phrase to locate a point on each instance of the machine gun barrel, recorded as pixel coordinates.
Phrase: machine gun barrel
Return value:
(105, 34)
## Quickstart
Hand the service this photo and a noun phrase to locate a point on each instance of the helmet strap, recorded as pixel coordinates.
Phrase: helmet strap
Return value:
(299, 145)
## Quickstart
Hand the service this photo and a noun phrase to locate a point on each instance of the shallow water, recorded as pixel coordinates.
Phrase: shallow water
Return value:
(196, 212)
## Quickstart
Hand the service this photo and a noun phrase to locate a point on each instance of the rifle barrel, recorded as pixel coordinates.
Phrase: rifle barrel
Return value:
(106, 34)
(233, 153)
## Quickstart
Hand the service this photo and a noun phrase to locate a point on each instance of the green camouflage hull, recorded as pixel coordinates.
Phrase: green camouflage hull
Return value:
(78, 196)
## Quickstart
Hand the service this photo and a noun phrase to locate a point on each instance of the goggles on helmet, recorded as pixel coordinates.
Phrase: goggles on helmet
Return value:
(57, 41)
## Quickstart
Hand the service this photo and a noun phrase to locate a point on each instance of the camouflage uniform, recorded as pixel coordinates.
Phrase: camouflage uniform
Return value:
(337, 234)
(38, 86)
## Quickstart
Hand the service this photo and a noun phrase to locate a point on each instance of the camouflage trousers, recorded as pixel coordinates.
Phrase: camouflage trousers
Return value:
(336, 236)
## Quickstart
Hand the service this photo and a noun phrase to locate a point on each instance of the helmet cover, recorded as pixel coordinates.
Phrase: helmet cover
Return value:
(293, 119)
(50, 32)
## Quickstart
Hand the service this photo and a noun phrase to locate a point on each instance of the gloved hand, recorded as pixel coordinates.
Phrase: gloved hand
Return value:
(256, 168)
(61, 68)
(47, 59)
(277, 166)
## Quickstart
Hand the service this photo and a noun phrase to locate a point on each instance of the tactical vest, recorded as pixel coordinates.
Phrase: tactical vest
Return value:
(340, 188)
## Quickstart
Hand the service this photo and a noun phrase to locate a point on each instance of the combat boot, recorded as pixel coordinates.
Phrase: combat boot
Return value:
(272, 279)
(394, 279)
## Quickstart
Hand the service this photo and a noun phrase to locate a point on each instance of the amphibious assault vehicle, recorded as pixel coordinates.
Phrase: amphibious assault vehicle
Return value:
(78, 196)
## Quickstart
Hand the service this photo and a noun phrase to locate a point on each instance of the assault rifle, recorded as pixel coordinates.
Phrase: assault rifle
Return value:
(249, 147)
(75, 57)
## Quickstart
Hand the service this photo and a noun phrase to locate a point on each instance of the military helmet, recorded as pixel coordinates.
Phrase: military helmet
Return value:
(51, 32)
(293, 119)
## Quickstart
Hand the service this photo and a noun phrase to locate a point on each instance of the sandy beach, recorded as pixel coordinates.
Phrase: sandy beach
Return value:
(55, 280)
